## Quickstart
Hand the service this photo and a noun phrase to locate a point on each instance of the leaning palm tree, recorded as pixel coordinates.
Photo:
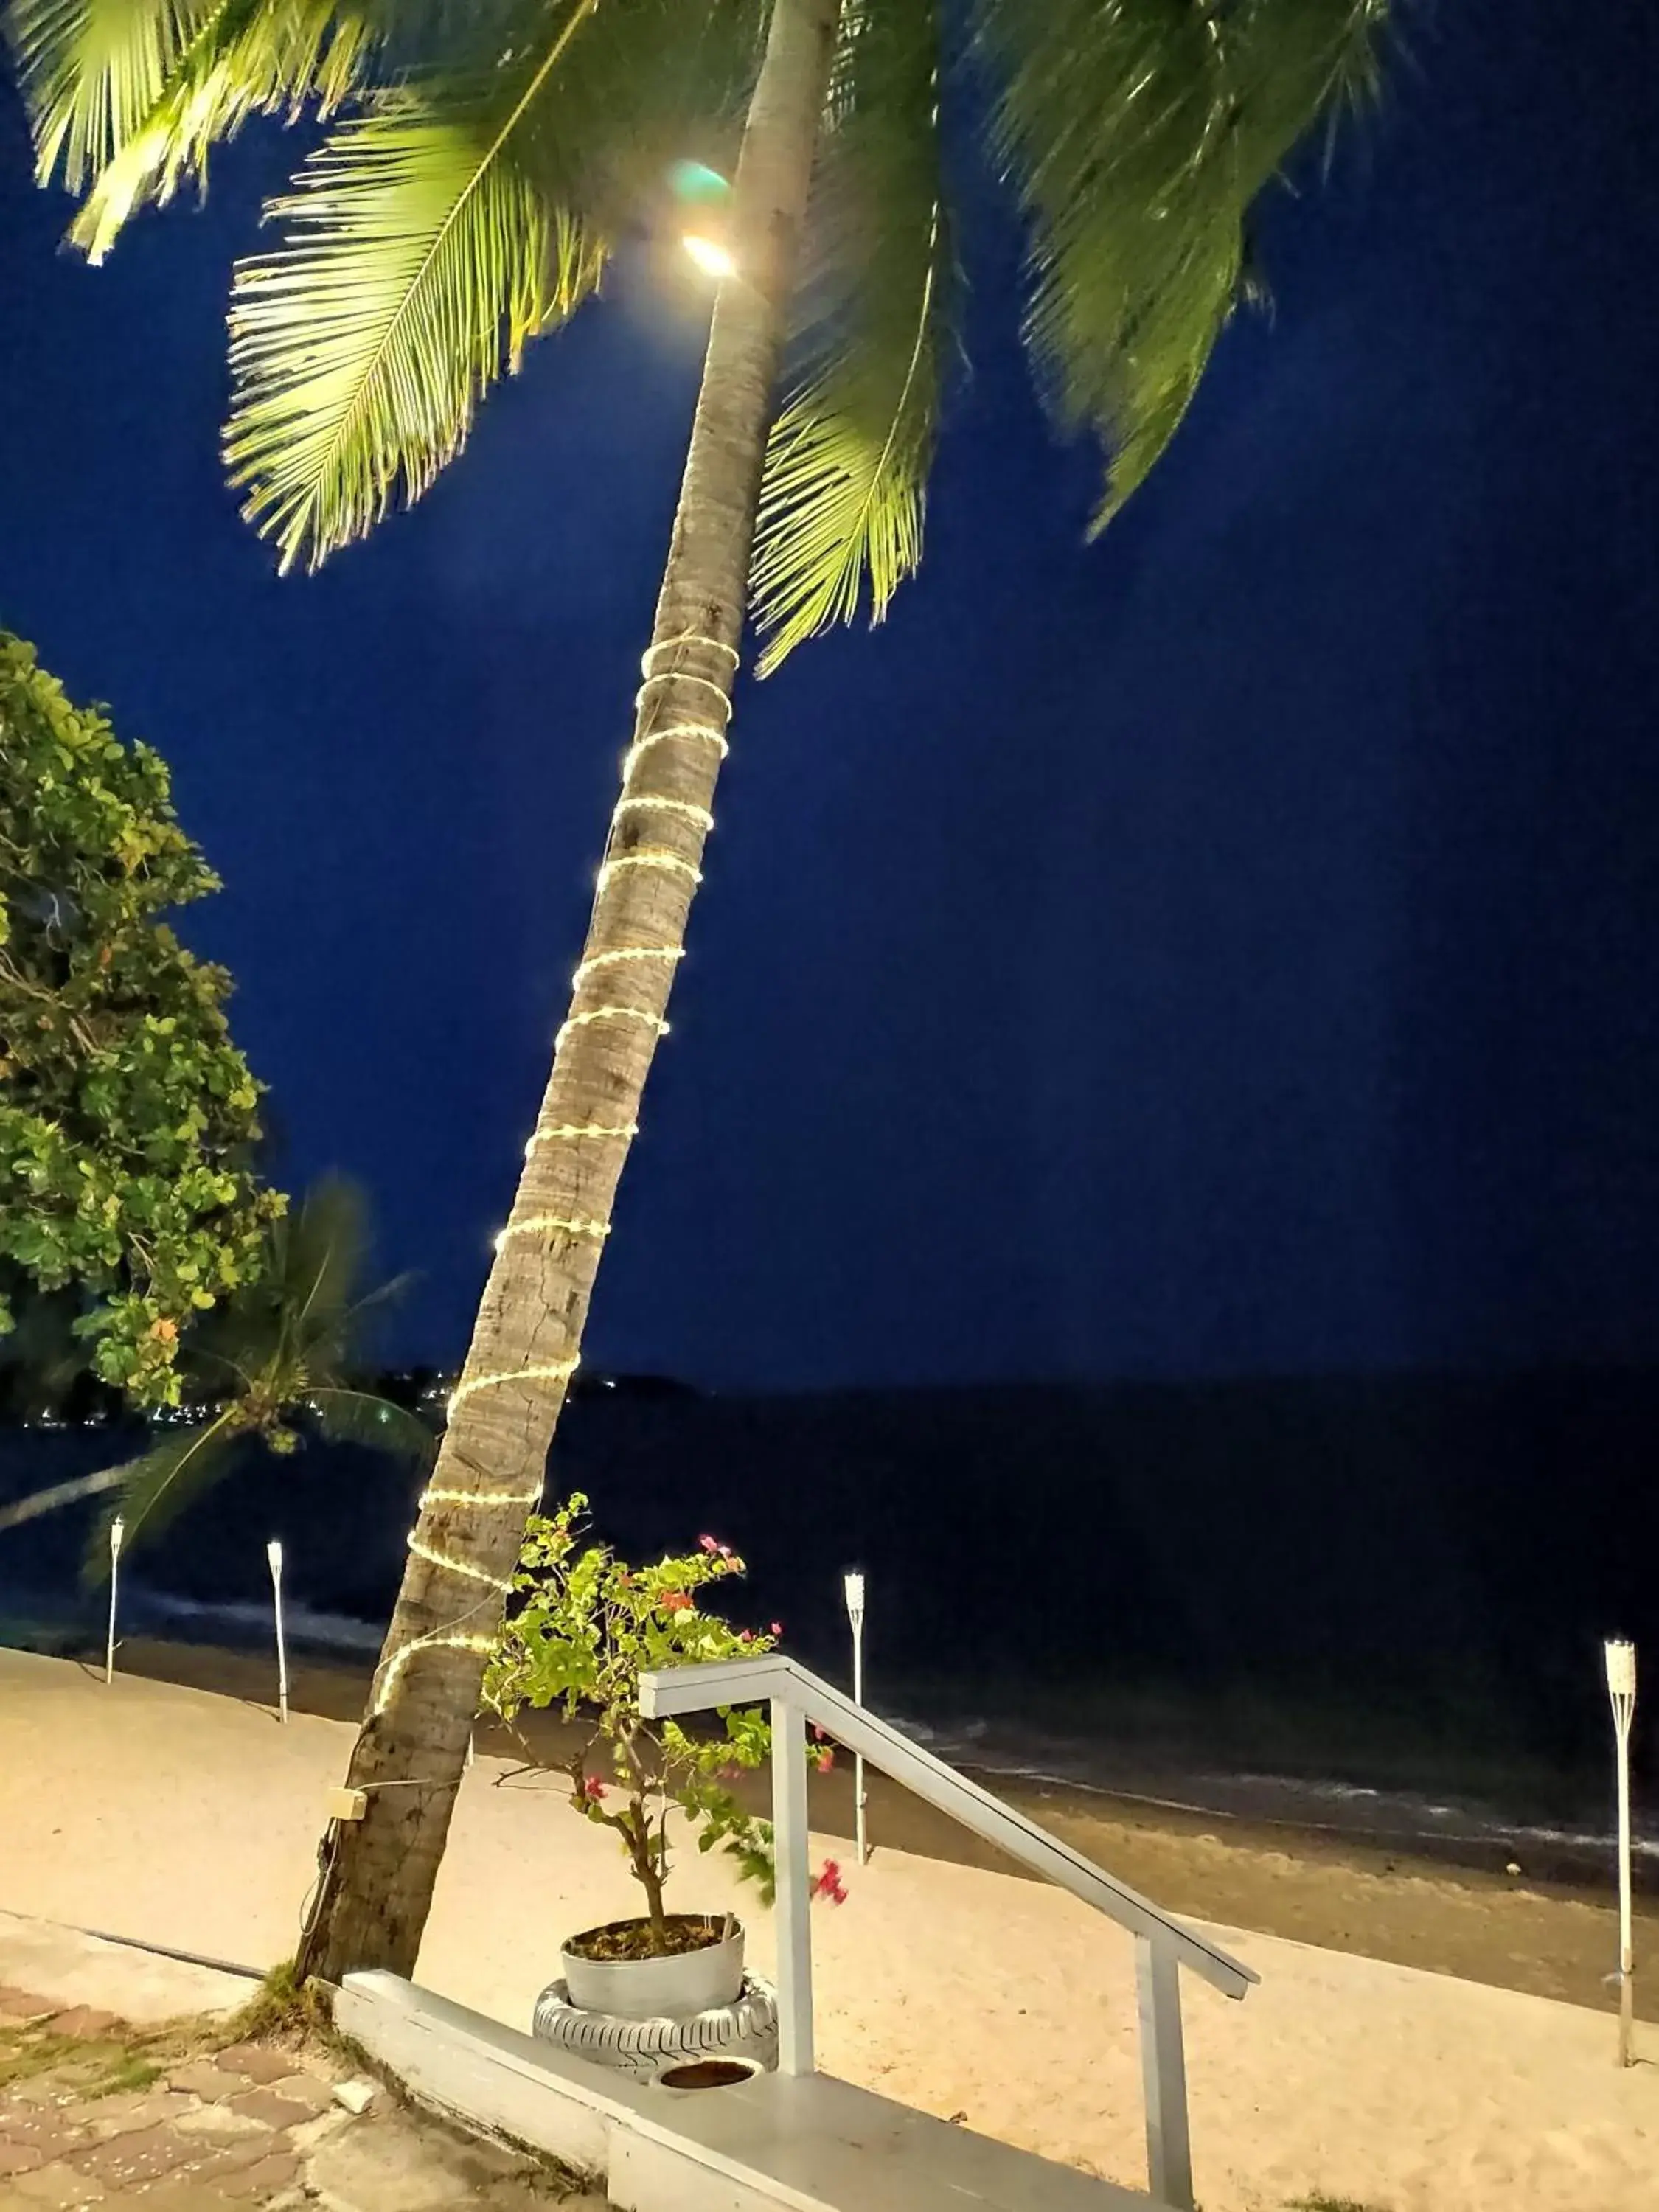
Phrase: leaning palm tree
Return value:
(491, 158)
(263, 1368)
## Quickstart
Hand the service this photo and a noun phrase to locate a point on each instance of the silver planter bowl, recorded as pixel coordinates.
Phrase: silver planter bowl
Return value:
(658, 1989)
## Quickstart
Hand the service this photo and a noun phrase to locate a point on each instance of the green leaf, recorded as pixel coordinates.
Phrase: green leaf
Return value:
(247, 57)
(433, 235)
(155, 1489)
(356, 1416)
(92, 71)
(843, 498)
(419, 262)
(1139, 134)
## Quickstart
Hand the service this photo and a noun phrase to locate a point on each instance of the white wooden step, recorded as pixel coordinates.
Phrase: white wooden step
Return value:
(812, 2144)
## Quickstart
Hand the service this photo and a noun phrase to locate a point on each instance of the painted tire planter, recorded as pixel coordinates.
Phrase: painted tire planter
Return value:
(745, 2030)
(671, 1987)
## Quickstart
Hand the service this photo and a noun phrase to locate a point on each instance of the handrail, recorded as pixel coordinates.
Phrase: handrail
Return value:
(745, 1681)
(797, 1697)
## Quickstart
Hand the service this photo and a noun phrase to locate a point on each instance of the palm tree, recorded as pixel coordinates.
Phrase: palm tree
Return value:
(266, 1364)
(469, 201)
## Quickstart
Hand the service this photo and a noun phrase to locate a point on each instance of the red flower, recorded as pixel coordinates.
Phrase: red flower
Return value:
(707, 1544)
(830, 1884)
(826, 1761)
(747, 1637)
(675, 1601)
(776, 1628)
(594, 1790)
(817, 1732)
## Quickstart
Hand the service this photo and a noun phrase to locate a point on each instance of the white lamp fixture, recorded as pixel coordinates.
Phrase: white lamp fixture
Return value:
(710, 256)
(853, 1589)
(274, 1555)
(1620, 1660)
(117, 1529)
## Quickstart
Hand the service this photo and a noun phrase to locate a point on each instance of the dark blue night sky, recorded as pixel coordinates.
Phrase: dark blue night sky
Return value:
(1231, 947)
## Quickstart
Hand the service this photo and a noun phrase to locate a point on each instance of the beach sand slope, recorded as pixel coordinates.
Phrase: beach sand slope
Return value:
(191, 1819)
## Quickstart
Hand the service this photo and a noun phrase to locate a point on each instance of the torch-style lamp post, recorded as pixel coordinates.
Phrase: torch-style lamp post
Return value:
(853, 1585)
(274, 1553)
(117, 1529)
(1620, 1659)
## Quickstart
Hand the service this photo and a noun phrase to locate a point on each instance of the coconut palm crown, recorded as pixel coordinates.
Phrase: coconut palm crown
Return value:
(486, 159)
(485, 162)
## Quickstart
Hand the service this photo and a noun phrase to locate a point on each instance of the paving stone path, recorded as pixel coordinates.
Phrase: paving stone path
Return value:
(92, 2112)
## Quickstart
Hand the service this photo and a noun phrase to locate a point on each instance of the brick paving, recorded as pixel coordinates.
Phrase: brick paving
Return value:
(113, 2117)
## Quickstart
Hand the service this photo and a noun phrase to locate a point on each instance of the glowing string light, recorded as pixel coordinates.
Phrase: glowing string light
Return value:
(393, 1667)
(715, 738)
(622, 957)
(698, 815)
(454, 1566)
(572, 1224)
(650, 856)
(688, 637)
(610, 1014)
(560, 1371)
(437, 1495)
(683, 676)
(570, 1133)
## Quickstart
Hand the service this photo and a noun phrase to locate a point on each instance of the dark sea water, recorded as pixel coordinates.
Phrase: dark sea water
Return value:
(1369, 1607)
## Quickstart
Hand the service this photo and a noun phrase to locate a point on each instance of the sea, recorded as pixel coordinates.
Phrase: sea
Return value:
(1368, 1608)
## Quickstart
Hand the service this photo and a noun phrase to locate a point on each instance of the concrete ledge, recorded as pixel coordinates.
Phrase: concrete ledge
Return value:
(813, 2144)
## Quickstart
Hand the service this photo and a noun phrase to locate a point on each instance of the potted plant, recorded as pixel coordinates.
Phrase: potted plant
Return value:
(583, 1627)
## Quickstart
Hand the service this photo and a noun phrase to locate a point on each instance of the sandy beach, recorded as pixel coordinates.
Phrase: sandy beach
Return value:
(1546, 1940)
(190, 1820)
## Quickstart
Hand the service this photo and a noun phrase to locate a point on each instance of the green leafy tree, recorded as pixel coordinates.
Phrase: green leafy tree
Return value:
(582, 1627)
(128, 1118)
(271, 1362)
(467, 202)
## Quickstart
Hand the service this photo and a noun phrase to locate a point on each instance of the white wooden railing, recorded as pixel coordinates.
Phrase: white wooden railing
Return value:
(799, 1699)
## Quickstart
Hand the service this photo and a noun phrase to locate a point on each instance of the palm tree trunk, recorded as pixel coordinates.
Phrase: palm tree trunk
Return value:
(61, 1493)
(379, 1873)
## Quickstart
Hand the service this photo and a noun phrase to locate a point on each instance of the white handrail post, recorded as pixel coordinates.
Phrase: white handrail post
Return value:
(794, 1897)
(1164, 2075)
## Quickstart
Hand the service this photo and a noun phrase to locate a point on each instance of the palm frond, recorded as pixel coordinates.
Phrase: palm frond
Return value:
(247, 57)
(357, 1417)
(92, 71)
(843, 498)
(435, 234)
(419, 262)
(318, 1251)
(1138, 133)
(154, 1489)
(59, 1495)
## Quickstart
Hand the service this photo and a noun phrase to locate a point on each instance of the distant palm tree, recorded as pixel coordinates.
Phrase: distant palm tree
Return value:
(267, 1364)
(469, 202)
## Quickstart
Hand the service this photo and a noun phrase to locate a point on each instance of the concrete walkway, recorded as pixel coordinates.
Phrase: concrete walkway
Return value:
(106, 2108)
